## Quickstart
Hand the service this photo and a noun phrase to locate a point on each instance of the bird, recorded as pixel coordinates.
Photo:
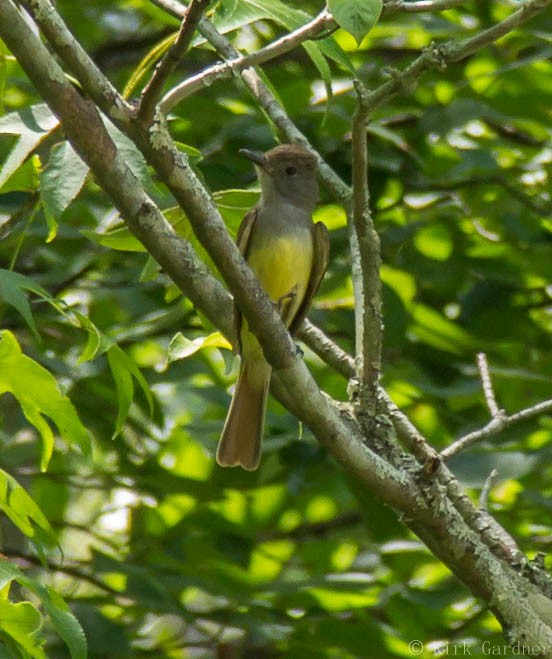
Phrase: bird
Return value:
(288, 253)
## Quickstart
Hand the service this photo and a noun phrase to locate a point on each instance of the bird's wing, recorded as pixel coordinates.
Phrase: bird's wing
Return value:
(242, 241)
(321, 253)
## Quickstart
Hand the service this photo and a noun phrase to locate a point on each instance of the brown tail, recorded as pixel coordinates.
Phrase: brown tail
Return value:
(240, 442)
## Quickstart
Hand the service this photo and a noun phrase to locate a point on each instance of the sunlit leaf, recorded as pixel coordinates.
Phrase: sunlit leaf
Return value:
(357, 17)
(124, 371)
(32, 125)
(26, 178)
(64, 622)
(20, 508)
(180, 347)
(147, 63)
(118, 238)
(22, 621)
(39, 395)
(13, 291)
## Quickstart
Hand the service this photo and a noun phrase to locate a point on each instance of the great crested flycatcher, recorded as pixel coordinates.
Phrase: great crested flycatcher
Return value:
(288, 253)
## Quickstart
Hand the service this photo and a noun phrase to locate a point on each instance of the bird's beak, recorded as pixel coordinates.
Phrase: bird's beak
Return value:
(255, 156)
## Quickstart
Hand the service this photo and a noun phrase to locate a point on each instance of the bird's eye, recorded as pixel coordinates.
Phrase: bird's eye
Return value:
(291, 171)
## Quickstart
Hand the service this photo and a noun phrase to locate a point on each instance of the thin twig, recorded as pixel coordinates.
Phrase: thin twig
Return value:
(495, 426)
(487, 385)
(70, 570)
(327, 350)
(408, 434)
(226, 69)
(171, 59)
(486, 490)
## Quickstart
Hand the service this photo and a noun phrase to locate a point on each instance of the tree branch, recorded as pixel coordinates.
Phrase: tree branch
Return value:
(171, 59)
(439, 56)
(494, 426)
(172, 7)
(227, 69)
(327, 350)
(541, 207)
(70, 570)
(367, 283)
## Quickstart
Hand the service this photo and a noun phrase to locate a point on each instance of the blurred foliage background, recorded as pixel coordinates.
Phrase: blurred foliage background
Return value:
(158, 551)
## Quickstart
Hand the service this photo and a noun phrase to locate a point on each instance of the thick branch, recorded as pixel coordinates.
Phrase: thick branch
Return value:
(86, 130)
(171, 59)
(77, 59)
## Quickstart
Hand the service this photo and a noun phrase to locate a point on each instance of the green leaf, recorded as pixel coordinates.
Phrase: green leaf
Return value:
(124, 369)
(150, 271)
(64, 622)
(357, 17)
(250, 11)
(129, 152)
(439, 332)
(233, 205)
(61, 181)
(96, 340)
(34, 119)
(12, 287)
(38, 393)
(33, 125)
(147, 63)
(180, 347)
(118, 238)
(332, 50)
(20, 508)
(319, 61)
(22, 621)
(12, 291)
(25, 179)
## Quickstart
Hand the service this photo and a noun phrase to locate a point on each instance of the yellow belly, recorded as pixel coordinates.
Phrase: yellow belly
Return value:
(283, 267)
